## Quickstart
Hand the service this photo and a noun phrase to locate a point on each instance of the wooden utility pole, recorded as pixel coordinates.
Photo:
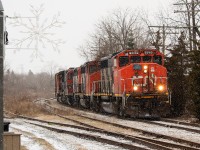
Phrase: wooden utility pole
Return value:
(164, 38)
(164, 34)
(191, 13)
(1, 72)
(193, 26)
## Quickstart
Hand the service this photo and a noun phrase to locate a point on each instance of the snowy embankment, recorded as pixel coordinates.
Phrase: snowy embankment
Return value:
(182, 134)
(34, 137)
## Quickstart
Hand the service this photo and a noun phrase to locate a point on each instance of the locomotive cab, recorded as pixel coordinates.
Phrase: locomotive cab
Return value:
(90, 74)
(60, 85)
(77, 85)
(69, 91)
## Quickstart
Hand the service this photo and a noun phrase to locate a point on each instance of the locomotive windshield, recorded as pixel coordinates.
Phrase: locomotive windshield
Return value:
(70, 76)
(157, 59)
(75, 72)
(82, 70)
(93, 68)
(104, 64)
(135, 59)
(62, 76)
(123, 61)
(147, 59)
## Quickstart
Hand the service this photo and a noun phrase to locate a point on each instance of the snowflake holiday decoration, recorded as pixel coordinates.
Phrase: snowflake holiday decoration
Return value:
(36, 33)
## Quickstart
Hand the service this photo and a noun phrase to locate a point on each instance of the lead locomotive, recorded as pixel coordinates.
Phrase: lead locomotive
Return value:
(130, 82)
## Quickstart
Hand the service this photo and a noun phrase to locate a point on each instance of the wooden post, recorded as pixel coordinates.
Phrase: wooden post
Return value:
(1, 72)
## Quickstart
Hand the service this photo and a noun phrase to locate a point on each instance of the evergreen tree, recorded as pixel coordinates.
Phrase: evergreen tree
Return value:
(130, 43)
(30, 73)
(195, 81)
(157, 43)
(177, 69)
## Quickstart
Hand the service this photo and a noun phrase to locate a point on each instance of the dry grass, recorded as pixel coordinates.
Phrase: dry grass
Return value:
(22, 104)
(20, 91)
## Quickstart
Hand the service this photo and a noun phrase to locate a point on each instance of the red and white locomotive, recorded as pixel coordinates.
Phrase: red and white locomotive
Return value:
(130, 82)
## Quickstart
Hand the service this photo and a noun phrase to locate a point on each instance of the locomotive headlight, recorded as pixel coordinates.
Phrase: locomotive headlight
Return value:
(160, 87)
(145, 67)
(135, 88)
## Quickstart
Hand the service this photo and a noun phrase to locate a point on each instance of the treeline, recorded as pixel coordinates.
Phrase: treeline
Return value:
(20, 91)
(40, 84)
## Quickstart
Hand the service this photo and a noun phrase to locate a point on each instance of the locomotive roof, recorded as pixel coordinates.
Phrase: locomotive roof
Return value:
(70, 69)
(76, 68)
(60, 72)
(140, 50)
(116, 53)
(89, 62)
(106, 57)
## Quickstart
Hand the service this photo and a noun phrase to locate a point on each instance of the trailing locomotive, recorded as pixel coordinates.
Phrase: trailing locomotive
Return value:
(130, 82)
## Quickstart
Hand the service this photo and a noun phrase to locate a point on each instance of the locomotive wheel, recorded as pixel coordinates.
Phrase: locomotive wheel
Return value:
(92, 105)
(57, 99)
(97, 107)
(71, 101)
(62, 99)
(121, 112)
(78, 102)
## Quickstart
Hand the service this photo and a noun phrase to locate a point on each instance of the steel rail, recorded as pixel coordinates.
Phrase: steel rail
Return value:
(147, 132)
(133, 129)
(93, 137)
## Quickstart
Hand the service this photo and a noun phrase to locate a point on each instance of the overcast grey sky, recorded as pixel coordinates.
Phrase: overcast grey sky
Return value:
(80, 17)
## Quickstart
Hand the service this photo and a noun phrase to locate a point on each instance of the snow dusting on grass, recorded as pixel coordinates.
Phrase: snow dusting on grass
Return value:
(58, 140)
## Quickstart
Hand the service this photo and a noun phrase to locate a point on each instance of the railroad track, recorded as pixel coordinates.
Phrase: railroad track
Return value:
(98, 138)
(165, 123)
(173, 124)
(180, 122)
(166, 144)
(150, 143)
(146, 132)
(127, 144)
(161, 119)
(115, 142)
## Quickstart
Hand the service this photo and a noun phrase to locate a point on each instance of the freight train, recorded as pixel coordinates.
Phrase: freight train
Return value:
(127, 83)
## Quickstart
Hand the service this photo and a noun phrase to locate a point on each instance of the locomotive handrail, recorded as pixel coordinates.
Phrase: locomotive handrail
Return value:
(77, 87)
(100, 86)
(124, 90)
(96, 84)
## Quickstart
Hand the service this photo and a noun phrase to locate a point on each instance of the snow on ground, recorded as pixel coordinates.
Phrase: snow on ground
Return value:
(57, 141)
(180, 125)
(30, 144)
(186, 135)
(182, 134)
(92, 133)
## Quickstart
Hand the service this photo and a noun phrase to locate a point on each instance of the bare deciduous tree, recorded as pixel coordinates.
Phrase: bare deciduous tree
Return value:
(114, 33)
